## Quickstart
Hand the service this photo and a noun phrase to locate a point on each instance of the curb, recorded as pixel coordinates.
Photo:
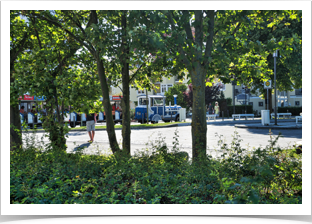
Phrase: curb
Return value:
(268, 127)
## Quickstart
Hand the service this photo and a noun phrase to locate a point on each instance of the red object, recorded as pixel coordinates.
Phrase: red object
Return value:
(116, 97)
(113, 108)
(26, 97)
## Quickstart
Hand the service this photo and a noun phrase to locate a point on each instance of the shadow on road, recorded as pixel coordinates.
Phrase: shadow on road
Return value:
(287, 133)
(80, 147)
(76, 133)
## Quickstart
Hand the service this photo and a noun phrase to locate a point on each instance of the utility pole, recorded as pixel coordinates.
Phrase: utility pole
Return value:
(275, 55)
(234, 83)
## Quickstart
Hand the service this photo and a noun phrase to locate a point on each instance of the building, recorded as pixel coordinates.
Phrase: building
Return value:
(161, 88)
(285, 98)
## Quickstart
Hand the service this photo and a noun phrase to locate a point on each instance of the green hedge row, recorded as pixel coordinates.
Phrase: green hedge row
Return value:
(239, 109)
(295, 111)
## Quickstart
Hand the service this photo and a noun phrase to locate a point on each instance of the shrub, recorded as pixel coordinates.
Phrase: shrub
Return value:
(159, 175)
(295, 111)
(239, 109)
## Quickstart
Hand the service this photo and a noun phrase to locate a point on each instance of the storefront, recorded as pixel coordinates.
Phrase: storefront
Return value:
(29, 101)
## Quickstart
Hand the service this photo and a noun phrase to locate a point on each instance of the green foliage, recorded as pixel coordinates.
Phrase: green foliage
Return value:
(240, 109)
(158, 176)
(295, 111)
(176, 89)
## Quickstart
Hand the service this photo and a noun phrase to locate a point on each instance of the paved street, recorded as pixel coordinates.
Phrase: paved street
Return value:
(143, 138)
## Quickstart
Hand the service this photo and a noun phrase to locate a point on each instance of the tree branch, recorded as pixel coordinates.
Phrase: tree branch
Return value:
(199, 29)
(210, 15)
(19, 47)
(180, 49)
(235, 30)
(51, 21)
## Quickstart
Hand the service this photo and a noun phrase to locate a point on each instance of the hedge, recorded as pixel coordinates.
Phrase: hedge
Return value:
(295, 111)
(239, 109)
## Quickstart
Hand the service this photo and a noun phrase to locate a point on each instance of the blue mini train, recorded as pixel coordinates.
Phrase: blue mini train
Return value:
(157, 109)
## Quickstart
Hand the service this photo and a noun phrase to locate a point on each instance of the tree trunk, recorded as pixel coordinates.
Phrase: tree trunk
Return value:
(107, 107)
(199, 126)
(126, 129)
(125, 102)
(15, 122)
(15, 129)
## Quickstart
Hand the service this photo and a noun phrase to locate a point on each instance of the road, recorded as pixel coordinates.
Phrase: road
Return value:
(141, 139)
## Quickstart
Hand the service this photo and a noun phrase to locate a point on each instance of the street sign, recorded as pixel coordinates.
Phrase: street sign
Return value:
(268, 84)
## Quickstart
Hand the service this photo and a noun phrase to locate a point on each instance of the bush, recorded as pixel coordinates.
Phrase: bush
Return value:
(295, 111)
(158, 176)
(239, 109)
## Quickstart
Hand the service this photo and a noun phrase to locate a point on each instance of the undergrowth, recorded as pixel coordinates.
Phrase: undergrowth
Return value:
(269, 175)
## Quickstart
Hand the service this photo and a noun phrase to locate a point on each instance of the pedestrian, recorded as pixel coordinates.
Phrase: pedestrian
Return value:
(114, 107)
(216, 108)
(22, 110)
(210, 108)
(23, 113)
(90, 122)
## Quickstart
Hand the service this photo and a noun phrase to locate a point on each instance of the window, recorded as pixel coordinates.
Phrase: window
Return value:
(250, 103)
(297, 103)
(298, 92)
(260, 104)
(158, 101)
(140, 91)
(142, 101)
(165, 88)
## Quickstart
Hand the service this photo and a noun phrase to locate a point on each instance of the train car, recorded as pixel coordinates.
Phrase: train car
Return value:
(157, 109)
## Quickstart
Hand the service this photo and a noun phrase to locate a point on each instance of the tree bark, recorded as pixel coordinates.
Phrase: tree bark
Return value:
(15, 120)
(15, 129)
(199, 127)
(107, 107)
(125, 102)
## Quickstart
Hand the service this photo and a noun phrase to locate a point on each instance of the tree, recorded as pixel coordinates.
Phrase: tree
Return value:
(135, 53)
(212, 44)
(92, 33)
(287, 35)
(19, 35)
(45, 71)
(177, 89)
(212, 94)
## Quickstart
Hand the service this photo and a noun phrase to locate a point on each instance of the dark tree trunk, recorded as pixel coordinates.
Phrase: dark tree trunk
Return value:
(107, 107)
(15, 129)
(126, 130)
(199, 127)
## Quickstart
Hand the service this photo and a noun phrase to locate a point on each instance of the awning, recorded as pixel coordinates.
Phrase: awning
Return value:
(31, 98)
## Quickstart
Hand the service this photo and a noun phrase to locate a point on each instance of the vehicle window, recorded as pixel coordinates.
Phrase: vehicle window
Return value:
(158, 102)
(142, 101)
